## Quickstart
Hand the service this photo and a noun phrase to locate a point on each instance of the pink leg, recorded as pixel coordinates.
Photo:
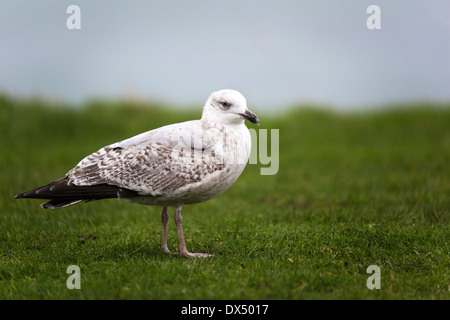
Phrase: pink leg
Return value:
(183, 250)
(165, 220)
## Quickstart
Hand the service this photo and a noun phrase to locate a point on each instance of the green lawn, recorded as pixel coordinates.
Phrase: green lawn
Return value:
(352, 190)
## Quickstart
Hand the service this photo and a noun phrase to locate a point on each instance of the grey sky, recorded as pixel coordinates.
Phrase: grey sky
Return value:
(274, 52)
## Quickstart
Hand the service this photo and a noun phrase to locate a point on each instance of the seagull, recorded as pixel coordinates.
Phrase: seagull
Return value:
(182, 163)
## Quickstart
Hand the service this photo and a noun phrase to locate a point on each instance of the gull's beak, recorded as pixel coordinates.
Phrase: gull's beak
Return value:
(250, 116)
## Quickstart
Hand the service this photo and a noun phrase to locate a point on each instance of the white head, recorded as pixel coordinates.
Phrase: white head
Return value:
(227, 107)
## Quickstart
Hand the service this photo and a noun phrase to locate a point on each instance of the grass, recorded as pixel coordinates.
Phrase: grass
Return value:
(353, 190)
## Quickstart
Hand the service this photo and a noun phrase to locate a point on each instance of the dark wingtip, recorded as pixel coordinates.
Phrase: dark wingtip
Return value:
(19, 195)
(26, 194)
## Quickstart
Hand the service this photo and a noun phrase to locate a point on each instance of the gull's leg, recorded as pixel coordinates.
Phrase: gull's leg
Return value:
(165, 220)
(183, 250)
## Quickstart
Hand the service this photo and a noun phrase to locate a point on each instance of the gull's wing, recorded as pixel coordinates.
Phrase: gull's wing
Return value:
(156, 162)
(190, 133)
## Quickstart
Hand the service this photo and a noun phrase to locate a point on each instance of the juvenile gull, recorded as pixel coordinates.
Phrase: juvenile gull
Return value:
(182, 163)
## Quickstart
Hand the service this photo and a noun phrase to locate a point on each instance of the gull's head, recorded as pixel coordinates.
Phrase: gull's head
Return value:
(228, 107)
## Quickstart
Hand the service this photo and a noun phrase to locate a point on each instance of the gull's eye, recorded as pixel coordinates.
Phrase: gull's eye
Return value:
(225, 104)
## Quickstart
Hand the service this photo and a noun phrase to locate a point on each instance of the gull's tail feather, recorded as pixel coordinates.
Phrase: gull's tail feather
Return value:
(61, 193)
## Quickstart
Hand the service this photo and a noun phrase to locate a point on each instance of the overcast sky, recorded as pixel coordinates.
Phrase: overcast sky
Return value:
(275, 52)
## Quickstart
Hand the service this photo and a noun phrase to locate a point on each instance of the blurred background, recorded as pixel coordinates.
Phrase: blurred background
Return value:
(354, 188)
(277, 53)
